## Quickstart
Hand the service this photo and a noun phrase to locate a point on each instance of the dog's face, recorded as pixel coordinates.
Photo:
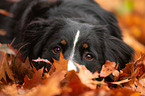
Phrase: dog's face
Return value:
(78, 43)
(86, 44)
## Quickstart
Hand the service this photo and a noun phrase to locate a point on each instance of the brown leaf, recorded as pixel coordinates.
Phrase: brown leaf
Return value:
(35, 80)
(4, 67)
(20, 69)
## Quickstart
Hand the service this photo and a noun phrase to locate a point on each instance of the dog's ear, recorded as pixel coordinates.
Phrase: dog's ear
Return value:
(117, 50)
(37, 10)
(112, 25)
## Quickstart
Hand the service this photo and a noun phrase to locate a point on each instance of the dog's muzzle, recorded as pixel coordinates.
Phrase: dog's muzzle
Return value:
(72, 66)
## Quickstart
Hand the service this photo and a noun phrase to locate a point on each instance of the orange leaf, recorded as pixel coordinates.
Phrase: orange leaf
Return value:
(4, 12)
(77, 87)
(107, 69)
(124, 92)
(87, 77)
(51, 88)
(60, 65)
(3, 32)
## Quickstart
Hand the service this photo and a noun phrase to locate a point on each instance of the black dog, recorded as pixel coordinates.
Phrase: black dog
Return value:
(83, 31)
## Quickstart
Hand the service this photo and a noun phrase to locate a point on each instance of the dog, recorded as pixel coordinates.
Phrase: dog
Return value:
(81, 29)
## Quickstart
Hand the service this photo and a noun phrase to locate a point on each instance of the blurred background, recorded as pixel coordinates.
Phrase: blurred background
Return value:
(131, 16)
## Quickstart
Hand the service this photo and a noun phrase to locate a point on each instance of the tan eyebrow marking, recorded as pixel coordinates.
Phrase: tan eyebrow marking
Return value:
(85, 45)
(63, 42)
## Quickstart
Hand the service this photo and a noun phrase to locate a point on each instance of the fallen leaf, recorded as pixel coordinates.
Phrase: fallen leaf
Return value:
(35, 80)
(142, 82)
(75, 84)
(3, 32)
(6, 49)
(124, 92)
(4, 67)
(10, 90)
(140, 88)
(107, 69)
(121, 82)
(4, 12)
(20, 69)
(53, 86)
(87, 77)
(60, 65)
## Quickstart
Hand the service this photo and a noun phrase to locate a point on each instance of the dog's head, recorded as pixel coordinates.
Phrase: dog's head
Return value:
(89, 42)
(90, 45)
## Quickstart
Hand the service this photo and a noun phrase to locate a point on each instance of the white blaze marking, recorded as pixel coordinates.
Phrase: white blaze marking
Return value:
(71, 65)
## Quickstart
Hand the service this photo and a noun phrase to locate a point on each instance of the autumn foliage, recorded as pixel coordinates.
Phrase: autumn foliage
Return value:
(20, 79)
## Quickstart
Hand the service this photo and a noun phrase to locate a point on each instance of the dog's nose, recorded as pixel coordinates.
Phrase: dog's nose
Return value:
(72, 66)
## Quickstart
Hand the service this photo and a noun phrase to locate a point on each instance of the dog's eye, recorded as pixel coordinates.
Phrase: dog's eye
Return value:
(89, 56)
(57, 49)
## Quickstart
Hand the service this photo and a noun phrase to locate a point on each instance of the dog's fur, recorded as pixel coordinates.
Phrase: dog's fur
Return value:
(42, 25)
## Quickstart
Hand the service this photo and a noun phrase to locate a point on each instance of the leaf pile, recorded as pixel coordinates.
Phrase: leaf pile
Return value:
(127, 82)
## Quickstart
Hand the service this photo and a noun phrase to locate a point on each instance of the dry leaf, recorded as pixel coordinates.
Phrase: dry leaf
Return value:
(51, 88)
(3, 32)
(74, 84)
(107, 69)
(20, 69)
(142, 82)
(60, 65)
(4, 67)
(120, 82)
(5, 48)
(140, 88)
(87, 77)
(4, 12)
(124, 92)
(10, 90)
(35, 80)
